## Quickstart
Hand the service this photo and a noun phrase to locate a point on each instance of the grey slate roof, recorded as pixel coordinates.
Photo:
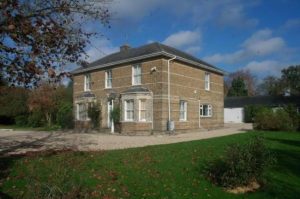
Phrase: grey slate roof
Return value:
(273, 101)
(146, 51)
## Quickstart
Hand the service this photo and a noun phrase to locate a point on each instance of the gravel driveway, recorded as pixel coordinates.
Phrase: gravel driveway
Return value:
(17, 142)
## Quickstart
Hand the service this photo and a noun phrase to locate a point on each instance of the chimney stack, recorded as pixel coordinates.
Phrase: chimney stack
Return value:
(124, 47)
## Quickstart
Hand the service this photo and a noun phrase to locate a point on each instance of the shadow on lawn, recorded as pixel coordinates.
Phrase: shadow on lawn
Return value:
(6, 163)
(293, 143)
(288, 164)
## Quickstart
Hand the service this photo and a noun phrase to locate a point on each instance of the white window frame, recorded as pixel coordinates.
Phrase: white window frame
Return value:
(209, 110)
(108, 79)
(136, 77)
(79, 112)
(140, 110)
(184, 111)
(207, 81)
(87, 82)
(126, 110)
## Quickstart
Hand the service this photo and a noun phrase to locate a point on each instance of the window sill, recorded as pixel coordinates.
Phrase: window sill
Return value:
(183, 120)
(205, 116)
(107, 88)
(136, 121)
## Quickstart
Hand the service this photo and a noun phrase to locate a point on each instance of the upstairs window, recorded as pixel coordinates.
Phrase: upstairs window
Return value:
(136, 75)
(129, 110)
(207, 81)
(142, 110)
(108, 79)
(87, 82)
(205, 110)
(182, 110)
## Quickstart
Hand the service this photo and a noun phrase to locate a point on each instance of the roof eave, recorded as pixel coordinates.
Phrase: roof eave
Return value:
(145, 57)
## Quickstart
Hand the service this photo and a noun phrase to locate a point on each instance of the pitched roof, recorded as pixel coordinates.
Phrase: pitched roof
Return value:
(274, 101)
(142, 52)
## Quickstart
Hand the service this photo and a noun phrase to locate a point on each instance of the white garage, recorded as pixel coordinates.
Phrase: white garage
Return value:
(233, 115)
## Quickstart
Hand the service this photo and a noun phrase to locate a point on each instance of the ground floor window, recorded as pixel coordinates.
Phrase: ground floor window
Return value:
(182, 110)
(142, 110)
(205, 110)
(129, 110)
(82, 111)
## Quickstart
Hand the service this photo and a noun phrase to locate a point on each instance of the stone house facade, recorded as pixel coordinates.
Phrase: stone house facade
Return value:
(152, 84)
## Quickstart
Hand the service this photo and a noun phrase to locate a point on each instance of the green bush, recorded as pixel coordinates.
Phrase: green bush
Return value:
(21, 120)
(115, 114)
(241, 164)
(64, 115)
(294, 115)
(36, 119)
(94, 114)
(274, 120)
(250, 112)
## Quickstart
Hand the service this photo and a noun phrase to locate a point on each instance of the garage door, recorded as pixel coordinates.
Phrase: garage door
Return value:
(233, 115)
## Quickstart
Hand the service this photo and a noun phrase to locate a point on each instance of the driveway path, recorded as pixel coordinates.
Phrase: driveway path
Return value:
(17, 142)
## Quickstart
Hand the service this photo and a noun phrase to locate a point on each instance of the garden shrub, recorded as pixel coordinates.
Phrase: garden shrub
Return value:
(250, 112)
(240, 165)
(94, 114)
(36, 119)
(274, 120)
(21, 120)
(115, 116)
(64, 115)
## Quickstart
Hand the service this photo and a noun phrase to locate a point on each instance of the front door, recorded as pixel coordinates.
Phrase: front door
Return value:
(110, 107)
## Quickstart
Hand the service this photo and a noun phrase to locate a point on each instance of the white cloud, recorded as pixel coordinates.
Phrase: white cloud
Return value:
(267, 67)
(193, 49)
(234, 15)
(226, 12)
(261, 43)
(187, 40)
(183, 38)
(292, 23)
(134, 9)
(100, 47)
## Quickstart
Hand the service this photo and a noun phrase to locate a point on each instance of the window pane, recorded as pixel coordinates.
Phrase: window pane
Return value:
(136, 74)
(129, 106)
(182, 110)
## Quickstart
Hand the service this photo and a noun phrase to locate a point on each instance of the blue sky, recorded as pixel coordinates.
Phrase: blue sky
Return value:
(262, 36)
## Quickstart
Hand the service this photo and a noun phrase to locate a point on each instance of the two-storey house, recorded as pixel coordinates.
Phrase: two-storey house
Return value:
(152, 84)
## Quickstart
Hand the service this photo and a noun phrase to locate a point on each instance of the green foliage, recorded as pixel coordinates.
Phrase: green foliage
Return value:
(36, 119)
(274, 120)
(241, 164)
(250, 112)
(13, 102)
(21, 120)
(238, 88)
(94, 113)
(291, 79)
(64, 115)
(115, 114)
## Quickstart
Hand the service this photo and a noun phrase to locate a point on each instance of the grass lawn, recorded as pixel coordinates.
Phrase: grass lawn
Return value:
(164, 171)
